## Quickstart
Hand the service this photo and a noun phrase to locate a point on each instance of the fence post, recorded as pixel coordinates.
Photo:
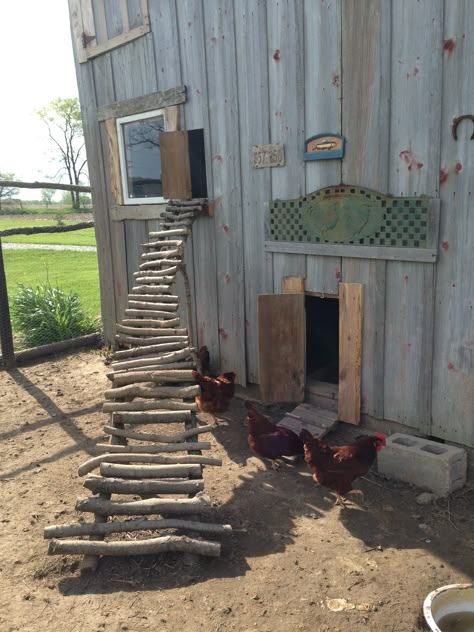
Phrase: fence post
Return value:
(6, 337)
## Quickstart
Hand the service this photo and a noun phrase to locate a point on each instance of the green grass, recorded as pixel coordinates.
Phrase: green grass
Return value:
(84, 237)
(68, 270)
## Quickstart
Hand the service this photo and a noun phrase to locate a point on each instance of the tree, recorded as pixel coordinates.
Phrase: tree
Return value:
(7, 192)
(47, 196)
(64, 122)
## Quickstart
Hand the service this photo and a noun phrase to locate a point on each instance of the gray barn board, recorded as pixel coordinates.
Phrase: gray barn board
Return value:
(192, 51)
(453, 361)
(221, 61)
(390, 77)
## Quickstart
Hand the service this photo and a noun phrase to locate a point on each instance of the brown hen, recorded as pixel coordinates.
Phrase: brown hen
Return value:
(216, 392)
(269, 441)
(336, 467)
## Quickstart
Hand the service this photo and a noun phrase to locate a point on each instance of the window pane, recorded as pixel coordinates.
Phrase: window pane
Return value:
(142, 153)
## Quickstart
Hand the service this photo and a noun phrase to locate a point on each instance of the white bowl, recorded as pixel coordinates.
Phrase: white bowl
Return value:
(452, 599)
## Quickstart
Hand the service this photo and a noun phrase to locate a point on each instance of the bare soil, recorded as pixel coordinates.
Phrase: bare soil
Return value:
(291, 552)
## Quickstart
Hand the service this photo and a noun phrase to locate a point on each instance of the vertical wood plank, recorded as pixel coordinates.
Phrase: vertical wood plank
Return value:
(366, 87)
(285, 26)
(323, 274)
(114, 161)
(77, 28)
(225, 150)
(350, 351)
(167, 55)
(372, 275)
(124, 14)
(293, 285)
(281, 347)
(453, 363)
(95, 159)
(193, 68)
(135, 15)
(323, 113)
(133, 68)
(105, 94)
(366, 60)
(286, 76)
(254, 126)
(322, 85)
(416, 75)
(164, 30)
(285, 265)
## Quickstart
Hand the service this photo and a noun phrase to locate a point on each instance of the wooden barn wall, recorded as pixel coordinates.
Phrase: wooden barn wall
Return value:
(377, 71)
(453, 362)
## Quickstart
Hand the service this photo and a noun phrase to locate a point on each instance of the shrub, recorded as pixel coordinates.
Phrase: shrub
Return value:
(45, 314)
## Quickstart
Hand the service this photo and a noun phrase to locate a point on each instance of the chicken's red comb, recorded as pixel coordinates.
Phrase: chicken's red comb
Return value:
(380, 435)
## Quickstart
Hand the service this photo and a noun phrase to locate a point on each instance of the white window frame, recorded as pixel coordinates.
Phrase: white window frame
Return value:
(127, 200)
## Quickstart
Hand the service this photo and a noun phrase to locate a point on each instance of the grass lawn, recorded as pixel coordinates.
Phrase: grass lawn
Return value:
(85, 237)
(68, 269)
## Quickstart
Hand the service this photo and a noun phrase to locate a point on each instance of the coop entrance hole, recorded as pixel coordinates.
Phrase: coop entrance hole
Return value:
(322, 339)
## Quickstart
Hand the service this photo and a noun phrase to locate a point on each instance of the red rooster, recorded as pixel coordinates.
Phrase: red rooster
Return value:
(216, 392)
(336, 467)
(268, 440)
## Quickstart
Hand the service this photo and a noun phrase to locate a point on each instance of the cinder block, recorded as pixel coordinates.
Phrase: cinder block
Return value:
(438, 467)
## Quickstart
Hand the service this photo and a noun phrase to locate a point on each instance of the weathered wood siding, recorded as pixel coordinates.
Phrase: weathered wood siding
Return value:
(453, 361)
(389, 76)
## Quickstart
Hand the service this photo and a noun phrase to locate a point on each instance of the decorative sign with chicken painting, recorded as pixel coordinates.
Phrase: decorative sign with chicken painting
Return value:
(324, 147)
(351, 215)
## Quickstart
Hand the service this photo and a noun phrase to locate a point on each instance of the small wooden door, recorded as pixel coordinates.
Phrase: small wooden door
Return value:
(350, 351)
(281, 336)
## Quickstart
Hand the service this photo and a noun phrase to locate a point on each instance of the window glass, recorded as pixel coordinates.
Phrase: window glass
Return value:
(141, 143)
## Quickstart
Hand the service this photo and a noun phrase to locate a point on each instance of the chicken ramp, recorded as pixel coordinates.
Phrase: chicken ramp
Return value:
(148, 479)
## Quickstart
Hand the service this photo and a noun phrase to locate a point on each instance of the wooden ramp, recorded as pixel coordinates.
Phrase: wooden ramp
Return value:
(315, 419)
(151, 478)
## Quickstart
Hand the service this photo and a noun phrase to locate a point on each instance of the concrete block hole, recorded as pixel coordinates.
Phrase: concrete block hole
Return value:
(434, 449)
(405, 441)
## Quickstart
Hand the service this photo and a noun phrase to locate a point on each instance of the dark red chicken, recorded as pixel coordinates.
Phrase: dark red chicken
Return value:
(336, 467)
(216, 392)
(204, 360)
(268, 440)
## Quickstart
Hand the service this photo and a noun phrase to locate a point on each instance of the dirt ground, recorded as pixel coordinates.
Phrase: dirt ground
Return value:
(292, 550)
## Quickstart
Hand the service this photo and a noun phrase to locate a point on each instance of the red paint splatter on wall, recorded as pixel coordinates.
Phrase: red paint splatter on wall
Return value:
(443, 176)
(408, 158)
(338, 274)
(276, 55)
(218, 158)
(223, 333)
(213, 40)
(225, 228)
(449, 45)
(336, 81)
(469, 343)
(415, 71)
(445, 245)
(451, 366)
(227, 278)
(457, 167)
(405, 278)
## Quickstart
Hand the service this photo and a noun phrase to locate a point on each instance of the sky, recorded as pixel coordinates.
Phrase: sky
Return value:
(37, 66)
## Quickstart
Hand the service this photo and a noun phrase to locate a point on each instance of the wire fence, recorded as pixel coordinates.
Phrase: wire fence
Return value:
(49, 286)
